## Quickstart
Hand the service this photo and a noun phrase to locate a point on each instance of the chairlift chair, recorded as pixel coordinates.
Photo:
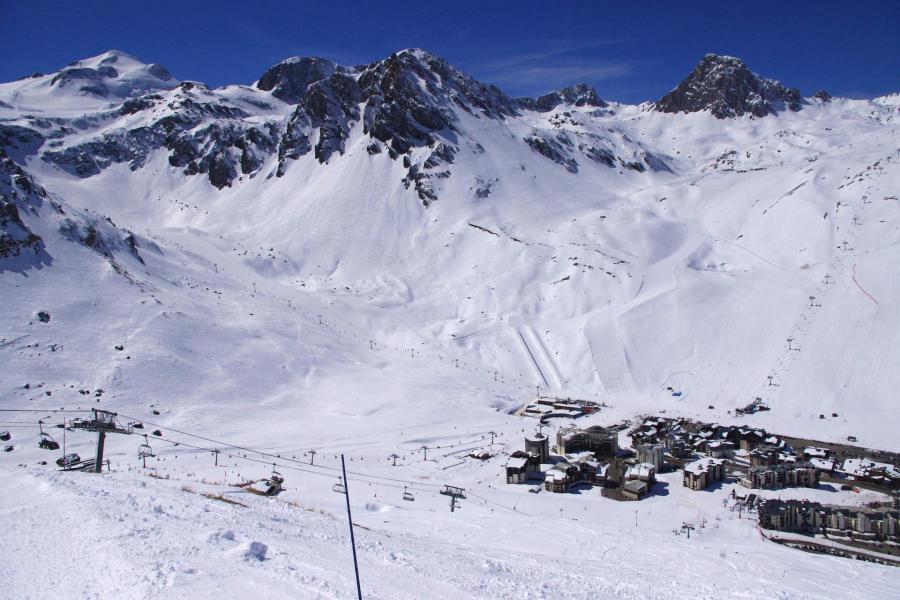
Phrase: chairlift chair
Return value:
(339, 487)
(47, 442)
(144, 450)
(407, 495)
(67, 461)
(274, 484)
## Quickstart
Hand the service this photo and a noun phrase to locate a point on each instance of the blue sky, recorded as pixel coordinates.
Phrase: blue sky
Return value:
(630, 51)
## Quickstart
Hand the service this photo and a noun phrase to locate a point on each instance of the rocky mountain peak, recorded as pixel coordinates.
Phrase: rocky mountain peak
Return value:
(725, 86)
(289, 79)
(580, 94)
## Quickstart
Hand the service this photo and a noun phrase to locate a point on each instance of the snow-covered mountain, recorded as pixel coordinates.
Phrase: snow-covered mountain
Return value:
(355, 257)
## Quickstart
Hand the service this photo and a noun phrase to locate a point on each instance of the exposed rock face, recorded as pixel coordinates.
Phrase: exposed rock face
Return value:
(725, 86)
(18, 192)
(554, 149)
(203, 133)
(289, 79)
(576, 95)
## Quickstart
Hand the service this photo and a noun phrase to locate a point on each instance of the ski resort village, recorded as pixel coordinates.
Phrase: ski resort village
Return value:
(392, 329)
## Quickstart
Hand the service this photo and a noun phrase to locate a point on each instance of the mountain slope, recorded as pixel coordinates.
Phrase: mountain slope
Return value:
(625, 240)
(387, 261)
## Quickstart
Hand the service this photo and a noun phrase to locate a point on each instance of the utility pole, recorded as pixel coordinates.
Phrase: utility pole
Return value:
(350, 520)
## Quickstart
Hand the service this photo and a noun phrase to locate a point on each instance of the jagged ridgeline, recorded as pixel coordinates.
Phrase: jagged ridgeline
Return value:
(414, 107)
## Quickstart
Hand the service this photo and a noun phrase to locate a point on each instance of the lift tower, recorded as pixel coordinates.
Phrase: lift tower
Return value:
(103, 422)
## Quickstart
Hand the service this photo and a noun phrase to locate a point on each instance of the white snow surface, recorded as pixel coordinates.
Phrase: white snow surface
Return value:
(329, 310)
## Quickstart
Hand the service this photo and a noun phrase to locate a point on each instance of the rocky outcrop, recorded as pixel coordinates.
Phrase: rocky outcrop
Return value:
(289, 79)
(18, 193)
(725, 87)
(576, 95)
(556, 149)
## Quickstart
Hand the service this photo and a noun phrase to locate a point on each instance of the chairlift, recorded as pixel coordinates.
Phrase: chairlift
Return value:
(144, 450)
(47, 442)
(68, 460)
(339, 487)
(407, 495)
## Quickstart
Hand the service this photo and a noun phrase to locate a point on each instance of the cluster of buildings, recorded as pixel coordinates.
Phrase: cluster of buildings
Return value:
(583, 456)
(682, 437)
(765, 461)
(877, 526)
(548, 408)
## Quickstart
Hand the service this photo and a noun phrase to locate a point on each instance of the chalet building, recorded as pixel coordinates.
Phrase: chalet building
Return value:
(720, 449)
(556, 481)
(811, 452)
(749, 439)
(590, 470)
(561, 476)
(645, 472)
(635, 489)
(653, 454)
(702, 473)
(764, 456)
(678, 445)
(779, 476)
(517, 469)
(602, 442)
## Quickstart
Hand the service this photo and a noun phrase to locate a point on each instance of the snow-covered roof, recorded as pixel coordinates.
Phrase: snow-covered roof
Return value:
(863, 466)
(516, 462)
(702, 465)
(641, 471)
(822, 463)
(555, 475)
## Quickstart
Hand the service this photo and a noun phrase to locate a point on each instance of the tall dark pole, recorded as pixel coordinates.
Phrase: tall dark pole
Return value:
(101, 438)
(350, 520)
